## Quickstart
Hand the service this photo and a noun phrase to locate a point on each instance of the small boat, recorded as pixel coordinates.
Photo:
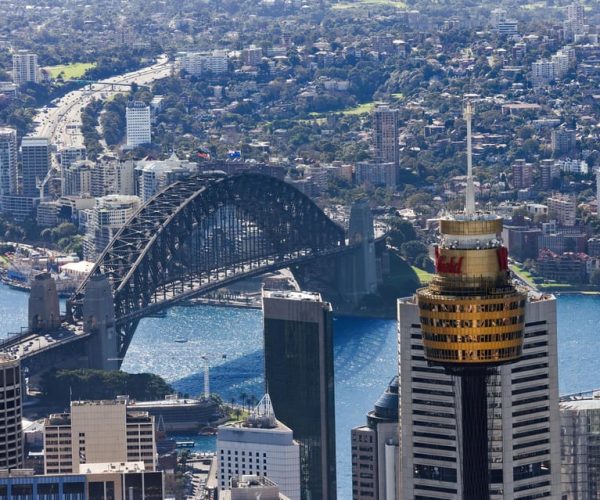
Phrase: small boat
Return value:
(207, 431)
(185, 444)
(181, 340)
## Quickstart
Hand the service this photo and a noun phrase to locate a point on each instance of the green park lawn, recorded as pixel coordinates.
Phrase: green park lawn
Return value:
(424, 276)
(69, 71)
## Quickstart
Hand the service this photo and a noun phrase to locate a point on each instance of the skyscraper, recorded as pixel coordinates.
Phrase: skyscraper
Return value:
(298, 342)
(11, 433)
(8, 161)
(25, 68)
(139, 127)
(478, 372)
(385, 134)
(375, 450)
(35, 161)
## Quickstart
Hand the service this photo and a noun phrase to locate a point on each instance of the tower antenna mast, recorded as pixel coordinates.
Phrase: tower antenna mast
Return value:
(470, 191)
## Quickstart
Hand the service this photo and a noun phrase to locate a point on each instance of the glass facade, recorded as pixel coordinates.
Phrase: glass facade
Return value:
(299, 379)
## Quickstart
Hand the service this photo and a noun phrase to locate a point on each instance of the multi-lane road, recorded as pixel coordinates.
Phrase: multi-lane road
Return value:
(62, 123)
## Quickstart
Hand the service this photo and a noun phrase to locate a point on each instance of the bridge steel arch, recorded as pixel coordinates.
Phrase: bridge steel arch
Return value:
(200, 234)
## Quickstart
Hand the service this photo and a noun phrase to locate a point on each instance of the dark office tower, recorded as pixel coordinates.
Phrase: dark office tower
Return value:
(11, 434)
(35, 161)
(298, 342)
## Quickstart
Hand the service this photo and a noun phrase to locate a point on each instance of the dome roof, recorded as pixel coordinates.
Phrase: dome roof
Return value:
(386, 407)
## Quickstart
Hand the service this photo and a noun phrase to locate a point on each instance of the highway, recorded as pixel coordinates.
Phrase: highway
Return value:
(62, 124)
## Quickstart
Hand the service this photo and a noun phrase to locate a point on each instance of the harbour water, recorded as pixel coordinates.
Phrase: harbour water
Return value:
(365, 356)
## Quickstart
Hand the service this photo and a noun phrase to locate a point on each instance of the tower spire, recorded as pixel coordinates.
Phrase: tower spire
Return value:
(470, 191)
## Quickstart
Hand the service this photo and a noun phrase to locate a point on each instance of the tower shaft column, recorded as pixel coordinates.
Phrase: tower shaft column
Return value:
(475, 467)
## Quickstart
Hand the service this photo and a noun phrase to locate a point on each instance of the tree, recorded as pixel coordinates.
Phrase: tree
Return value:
(412, 249)
(401, 232)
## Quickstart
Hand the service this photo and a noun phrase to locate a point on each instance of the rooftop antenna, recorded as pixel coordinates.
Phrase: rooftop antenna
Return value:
(470, 191)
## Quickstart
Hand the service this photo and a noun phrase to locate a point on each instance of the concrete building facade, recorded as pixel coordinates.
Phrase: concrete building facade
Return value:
(35, 163)
(139, 124)
(580, 441)
(386, 135)
(25, 68)
(11, 433)
(98, 432)
(8, 162)
(262, 446)
(375, 450)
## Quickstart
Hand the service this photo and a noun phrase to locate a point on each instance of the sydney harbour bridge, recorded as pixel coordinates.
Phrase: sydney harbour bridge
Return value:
(195, 236)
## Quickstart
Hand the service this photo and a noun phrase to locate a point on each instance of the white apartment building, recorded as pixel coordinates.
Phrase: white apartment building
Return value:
(524, 432)
(103, 221)
(98, 432)
(262, 446)
(155, 175)
(575, 22)
(543, 72)
(196, 63)
(139, 124)
(25, 68)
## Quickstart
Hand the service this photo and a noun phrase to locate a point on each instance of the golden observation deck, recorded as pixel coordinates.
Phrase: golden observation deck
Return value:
(471, 314)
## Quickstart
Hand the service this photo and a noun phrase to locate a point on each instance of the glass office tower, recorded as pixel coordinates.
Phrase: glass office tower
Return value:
(298, 342)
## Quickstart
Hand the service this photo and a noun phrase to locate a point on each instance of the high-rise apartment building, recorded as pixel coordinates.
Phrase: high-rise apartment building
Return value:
(98, 432)
(522, 174)
(580, 435)
(139, 124)
(103, 221)
(375, 450)
(154, 175)
(8, 162)
(35, 163)
(575, 22)
(386, 135)
(564, 141)
(262, 446)
(11, 432)
(549, 171)
(25, 68)
(298, 343)
(77, 178)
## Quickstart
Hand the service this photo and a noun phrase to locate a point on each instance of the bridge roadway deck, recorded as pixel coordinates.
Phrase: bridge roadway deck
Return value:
(28, 344)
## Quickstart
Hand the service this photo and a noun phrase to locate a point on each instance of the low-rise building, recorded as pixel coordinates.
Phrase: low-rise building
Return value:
(98, 432)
